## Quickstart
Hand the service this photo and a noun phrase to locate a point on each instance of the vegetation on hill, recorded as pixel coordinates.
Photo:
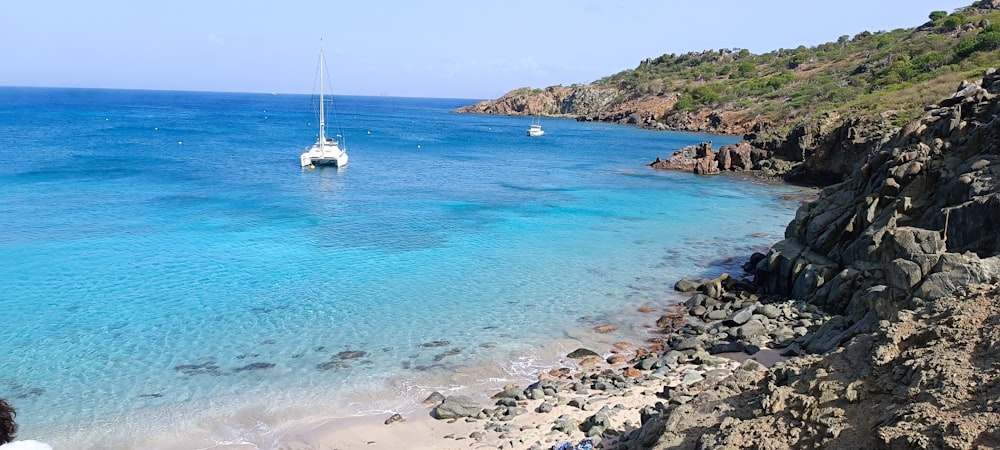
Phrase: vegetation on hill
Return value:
(808, 114)
(898, 71)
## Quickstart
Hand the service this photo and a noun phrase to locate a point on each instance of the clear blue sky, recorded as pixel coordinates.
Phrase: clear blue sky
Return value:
(448, 48)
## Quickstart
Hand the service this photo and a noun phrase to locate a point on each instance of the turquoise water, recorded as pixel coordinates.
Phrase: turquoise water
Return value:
(164, 256)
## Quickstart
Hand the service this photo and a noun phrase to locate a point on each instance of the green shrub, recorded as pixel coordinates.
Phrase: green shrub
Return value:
(685, 103)
(954, 21)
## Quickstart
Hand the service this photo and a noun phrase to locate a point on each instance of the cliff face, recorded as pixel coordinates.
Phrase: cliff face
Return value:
(610, 104)
(905, 252)
(914, 221)
(820, 151)
(551, 101)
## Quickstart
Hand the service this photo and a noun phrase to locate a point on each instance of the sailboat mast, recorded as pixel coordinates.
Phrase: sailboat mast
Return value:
(322, 116)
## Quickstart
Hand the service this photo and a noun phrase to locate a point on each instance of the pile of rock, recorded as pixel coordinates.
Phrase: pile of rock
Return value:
(702, 160)
(610, 398)
(731, 317)
(607, 407)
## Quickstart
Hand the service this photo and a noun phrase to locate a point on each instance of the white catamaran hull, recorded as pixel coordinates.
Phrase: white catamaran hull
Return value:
(330, 154)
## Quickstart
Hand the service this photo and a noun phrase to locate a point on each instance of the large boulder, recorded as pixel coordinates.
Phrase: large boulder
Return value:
(457, 406)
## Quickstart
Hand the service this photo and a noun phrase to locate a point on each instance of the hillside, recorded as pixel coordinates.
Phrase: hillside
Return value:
(793, 103)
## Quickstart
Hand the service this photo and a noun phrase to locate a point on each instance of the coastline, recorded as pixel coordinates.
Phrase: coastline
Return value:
(334, 421)
(267, 426)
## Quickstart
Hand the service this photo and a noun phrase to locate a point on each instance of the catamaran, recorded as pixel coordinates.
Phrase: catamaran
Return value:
(326, 150)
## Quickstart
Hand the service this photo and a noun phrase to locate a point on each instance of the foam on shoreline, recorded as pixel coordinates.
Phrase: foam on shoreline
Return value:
(296, 417)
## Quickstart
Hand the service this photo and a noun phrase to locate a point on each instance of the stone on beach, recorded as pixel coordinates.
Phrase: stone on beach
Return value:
(457, 406)
(581, 353)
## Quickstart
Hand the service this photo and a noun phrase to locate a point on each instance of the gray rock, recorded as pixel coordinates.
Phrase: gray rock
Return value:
(455, 407)
(751, 329)
(689, 344)
(545, 407)
(728, 347)
(581, 353)
(565, 424)
(512, 393)
(770, 311)
(680, 399)
(601, 419)
(791, 350)
(647, 363)
(712, 288)
(513, 412)
(691, 377)
(740, 317)
(717, 314)
(435, 397)
(688, 285)
(903, 274)
(696, 300)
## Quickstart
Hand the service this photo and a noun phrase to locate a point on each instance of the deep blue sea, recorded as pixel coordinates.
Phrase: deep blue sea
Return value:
(165, 262)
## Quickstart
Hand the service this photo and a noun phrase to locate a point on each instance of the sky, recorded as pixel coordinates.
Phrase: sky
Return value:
(432, 48)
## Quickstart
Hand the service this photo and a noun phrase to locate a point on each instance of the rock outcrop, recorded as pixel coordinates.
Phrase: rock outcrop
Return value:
(825, 149)
(917, 219)
(611, 104)
(820, 153)
(904, 254)
(551, 101)
(693, 158)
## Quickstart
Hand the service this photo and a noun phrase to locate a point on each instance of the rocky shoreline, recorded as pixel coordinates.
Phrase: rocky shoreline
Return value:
(883, 297)
(609, 400)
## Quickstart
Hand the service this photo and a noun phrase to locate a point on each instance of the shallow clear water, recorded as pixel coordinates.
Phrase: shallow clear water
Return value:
(163, 251)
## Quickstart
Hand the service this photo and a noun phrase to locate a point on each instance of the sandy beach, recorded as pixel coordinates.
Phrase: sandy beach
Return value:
(549, 419)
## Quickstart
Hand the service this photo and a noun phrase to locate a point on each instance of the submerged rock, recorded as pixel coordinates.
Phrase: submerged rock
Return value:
(581, 353)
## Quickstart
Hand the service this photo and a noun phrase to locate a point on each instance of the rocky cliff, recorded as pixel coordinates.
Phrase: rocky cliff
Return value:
(905, 253)
(811, 112)
(916, 219)
(819, 151)
(611, 104)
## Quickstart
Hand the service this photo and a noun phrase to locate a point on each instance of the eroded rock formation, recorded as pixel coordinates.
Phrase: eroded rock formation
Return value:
(904, 253)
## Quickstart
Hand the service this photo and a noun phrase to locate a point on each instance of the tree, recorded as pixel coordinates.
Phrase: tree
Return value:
(935, 16)
(953, 21)
(746, 69)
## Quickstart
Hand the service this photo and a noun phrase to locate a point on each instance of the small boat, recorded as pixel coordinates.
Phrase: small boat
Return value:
(326, 151)
(535, 130)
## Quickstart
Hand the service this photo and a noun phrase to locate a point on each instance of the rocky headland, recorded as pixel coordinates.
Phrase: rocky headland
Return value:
(873, 324)
(806, 115)
(819, 151)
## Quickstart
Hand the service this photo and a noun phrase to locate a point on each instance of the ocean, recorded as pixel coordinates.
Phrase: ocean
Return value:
(166, 264)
